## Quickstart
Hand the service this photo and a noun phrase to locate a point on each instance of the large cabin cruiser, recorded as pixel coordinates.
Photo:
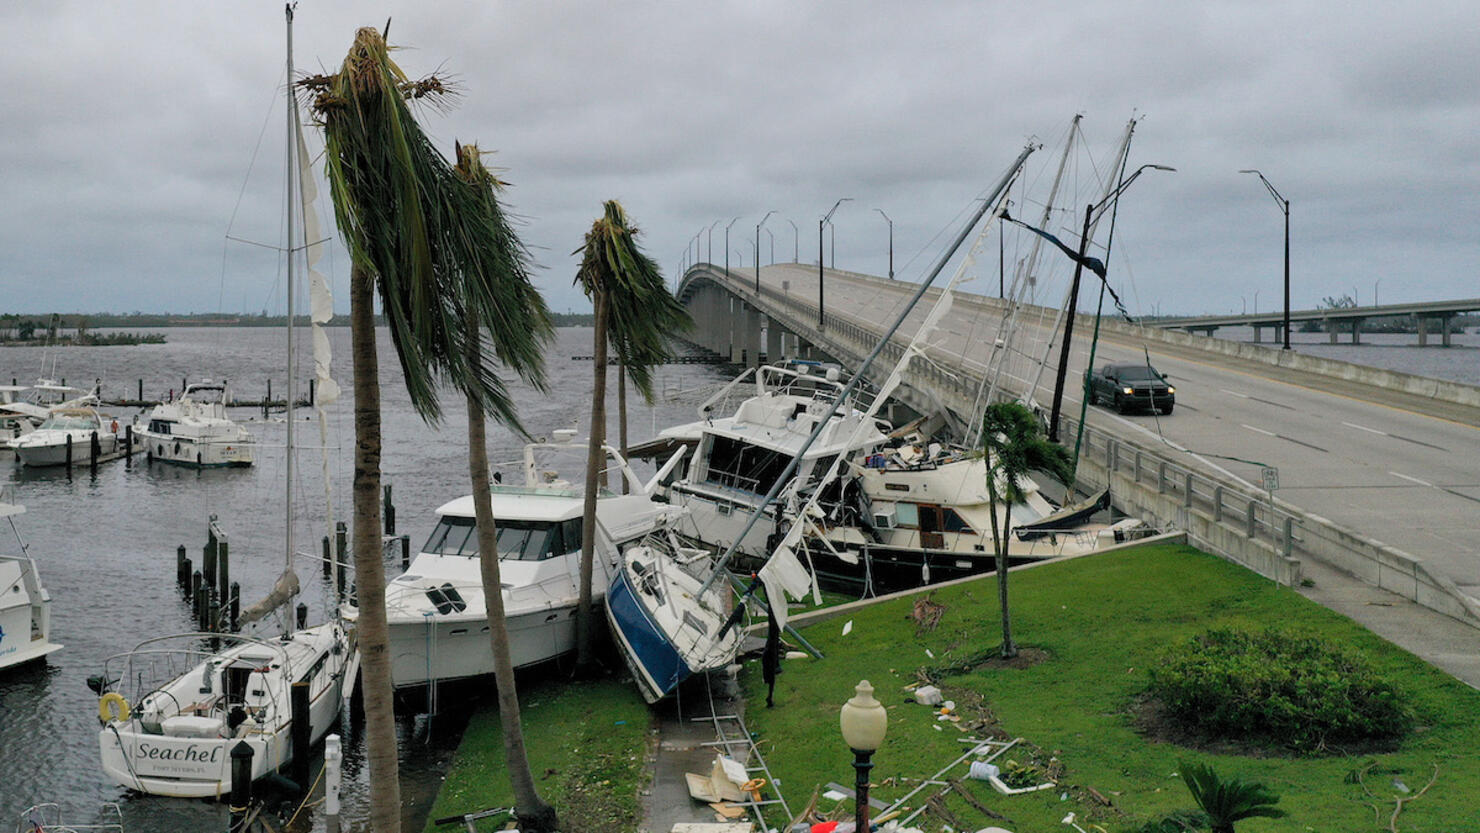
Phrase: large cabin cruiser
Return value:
(436, 610)
(903, 512)
(194, 431)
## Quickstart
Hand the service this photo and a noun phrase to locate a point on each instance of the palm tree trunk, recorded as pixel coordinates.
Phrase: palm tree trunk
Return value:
(999, 546)
(622, 419)
(534, 814)
(585, 624)
(374, 635)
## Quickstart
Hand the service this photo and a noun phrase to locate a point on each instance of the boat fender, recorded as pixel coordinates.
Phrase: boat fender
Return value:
(112, 707)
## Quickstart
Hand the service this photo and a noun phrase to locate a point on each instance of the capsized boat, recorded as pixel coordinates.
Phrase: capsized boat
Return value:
(172, 708)
(66, 428)
(195, 431)
(436, 610)
(25, 605)
(665, 627)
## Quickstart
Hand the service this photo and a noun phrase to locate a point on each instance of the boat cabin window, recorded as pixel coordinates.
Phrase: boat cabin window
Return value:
(517, 540)
(739, 465)
(160, 426)
(937, 518)
(69, 423)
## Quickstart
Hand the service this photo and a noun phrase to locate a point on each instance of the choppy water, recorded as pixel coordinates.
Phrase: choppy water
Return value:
(105, 545)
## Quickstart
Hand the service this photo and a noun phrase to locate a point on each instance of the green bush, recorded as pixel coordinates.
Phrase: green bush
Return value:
(1279, 687)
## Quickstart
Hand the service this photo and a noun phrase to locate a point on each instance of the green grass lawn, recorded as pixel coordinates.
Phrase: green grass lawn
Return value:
(586, 743)
(1102, 621)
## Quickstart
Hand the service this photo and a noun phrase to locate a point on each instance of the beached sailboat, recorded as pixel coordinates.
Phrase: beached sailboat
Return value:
(195, 431)
(173, 708)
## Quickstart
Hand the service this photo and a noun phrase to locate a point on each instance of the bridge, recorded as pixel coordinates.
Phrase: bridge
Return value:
(1437, 314)
(1373, 470)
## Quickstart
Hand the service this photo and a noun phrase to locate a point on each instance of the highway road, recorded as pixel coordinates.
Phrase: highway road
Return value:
(1386, 469)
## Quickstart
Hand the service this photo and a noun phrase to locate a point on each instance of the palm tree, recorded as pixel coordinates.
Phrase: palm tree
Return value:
(499, 266)
(1226, 801)
(1014, 445)
(635, 312)
(398, 205)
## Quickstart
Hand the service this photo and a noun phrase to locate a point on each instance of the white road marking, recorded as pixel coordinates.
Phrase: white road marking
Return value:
(1234, 393)
(1260, 431)
(1411, 479)
(1365, 428)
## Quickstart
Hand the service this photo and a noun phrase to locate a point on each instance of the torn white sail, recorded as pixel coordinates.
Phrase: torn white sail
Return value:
(321, 301)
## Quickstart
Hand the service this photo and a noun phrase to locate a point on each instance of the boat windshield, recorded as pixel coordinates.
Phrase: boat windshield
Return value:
(739, 465)
(69, 422)
(518, 540)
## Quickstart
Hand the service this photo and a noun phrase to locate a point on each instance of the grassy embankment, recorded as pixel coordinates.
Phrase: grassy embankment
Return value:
(1102, 622)
(586, 743)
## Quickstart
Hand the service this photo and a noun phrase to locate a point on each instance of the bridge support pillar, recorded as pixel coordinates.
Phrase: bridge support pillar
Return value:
(1258, 334)
(1423, 331)
(1357, 330)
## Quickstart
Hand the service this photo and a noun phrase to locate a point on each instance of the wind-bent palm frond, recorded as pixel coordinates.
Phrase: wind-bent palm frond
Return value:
(642, 312)
(1015, 445)
(403, 217)
(498, 291)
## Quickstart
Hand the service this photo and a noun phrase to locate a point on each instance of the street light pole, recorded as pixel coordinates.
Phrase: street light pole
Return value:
(772, 238)
(891, 241)
(864, 723)
(727, 245)
(795, 236)
(1284, 205)
(1073, 310)
(710, 256)
(758, 249)
(821, 316)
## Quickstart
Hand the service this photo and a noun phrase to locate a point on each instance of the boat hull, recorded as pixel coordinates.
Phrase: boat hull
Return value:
(440, 649)
(55, 454)
(190, 453)
(655, 663)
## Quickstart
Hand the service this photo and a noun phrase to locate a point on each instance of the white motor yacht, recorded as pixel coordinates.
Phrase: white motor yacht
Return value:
(23, 407)
(180, 707)
(25, 606)
(195, 431)
(904, 511)
(436, 610)
(67, 433)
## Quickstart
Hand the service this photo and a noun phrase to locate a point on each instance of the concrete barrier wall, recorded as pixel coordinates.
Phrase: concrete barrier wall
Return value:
(1456, 392)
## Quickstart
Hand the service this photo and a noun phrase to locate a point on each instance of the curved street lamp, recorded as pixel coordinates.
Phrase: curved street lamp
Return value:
(864, 722)
(710, 256)
(826, 218)
(891, 241)
(1284, 205)
(795, 236)
(727, 245)
(758, 249)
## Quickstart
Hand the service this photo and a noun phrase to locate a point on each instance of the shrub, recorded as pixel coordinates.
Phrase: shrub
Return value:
(1276, 686)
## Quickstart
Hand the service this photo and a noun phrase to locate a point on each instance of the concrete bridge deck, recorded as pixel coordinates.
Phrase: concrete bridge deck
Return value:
(1376, 470)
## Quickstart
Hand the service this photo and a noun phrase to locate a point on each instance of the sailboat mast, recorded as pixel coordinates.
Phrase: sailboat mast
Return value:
(292, 191)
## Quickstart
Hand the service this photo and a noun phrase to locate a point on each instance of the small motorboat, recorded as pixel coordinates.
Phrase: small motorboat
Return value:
(195, 431)
(66, 435)
(25, 606)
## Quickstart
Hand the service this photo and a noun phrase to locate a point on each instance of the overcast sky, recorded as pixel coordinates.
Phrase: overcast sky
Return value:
(136, 136)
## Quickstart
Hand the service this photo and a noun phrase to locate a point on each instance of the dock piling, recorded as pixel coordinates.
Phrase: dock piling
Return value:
(182, 567)
(195, 585)
(235, 607)
(405, 552)
(333, 777)
(301, 735)
(95, 450)
(241, 785)
(223, 570)
(328, 565)
(301, 615)
(389, 510)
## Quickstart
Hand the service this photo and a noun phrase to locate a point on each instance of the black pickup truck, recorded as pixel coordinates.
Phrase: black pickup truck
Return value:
(1130, 386)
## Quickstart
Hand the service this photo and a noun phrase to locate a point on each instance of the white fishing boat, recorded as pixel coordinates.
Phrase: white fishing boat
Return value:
(666, 628)
(173, 708)
(24, 407)
(25, 606)
(66, 434)
(195, 431)
(436, 610)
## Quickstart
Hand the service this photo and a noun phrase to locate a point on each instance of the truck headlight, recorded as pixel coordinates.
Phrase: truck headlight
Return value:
(1127, 391)
(1171, 389)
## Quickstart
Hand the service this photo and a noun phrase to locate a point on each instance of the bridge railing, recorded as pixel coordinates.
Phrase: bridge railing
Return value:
(1268, 536)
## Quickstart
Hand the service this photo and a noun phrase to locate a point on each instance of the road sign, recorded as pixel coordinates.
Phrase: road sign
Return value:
(1271, 477)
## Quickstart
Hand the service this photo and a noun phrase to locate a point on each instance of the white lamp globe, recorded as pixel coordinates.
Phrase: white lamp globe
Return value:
(863, 719)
